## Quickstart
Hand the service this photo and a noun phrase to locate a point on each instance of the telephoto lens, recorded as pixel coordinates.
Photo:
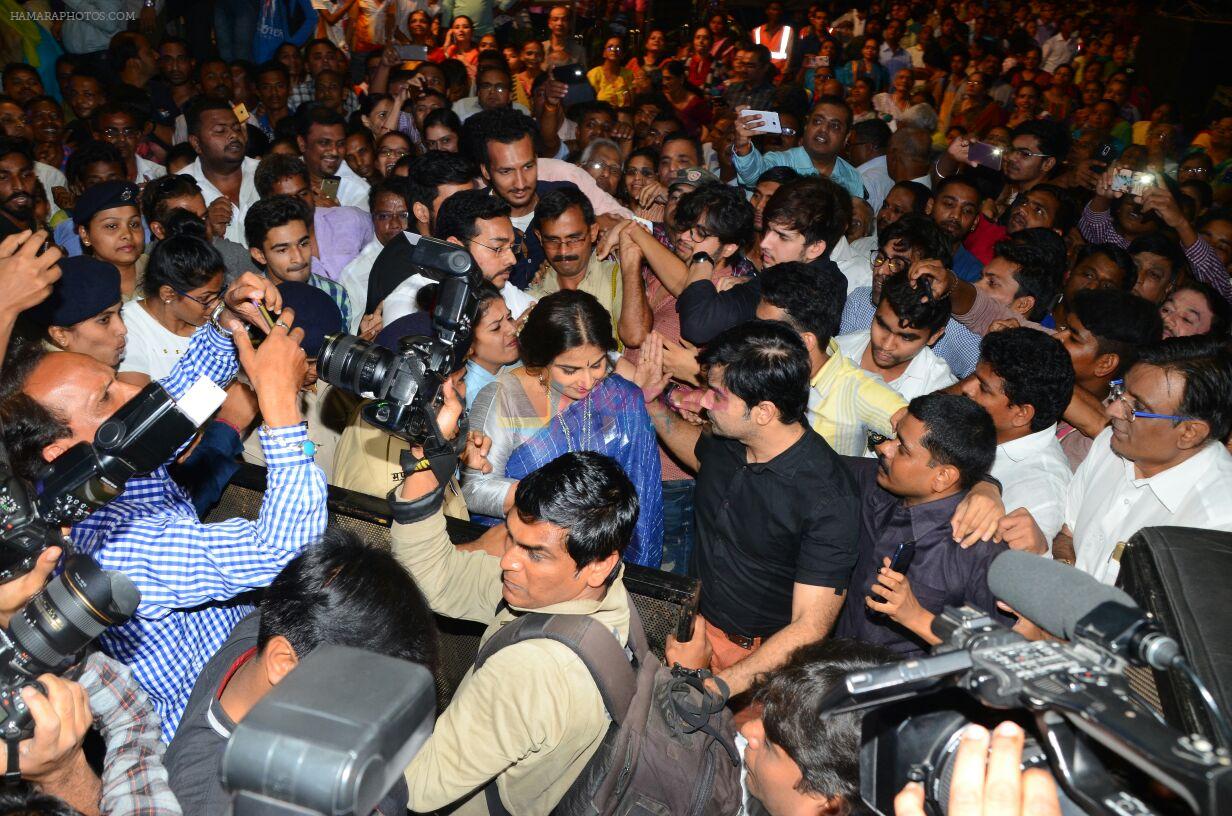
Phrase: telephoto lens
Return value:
(68, 614)
(356, 365)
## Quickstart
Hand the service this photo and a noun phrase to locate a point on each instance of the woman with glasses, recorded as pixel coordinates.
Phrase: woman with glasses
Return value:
(390, 148)
(566, 398)
(641, 169)
(183, 282)
(611, 79)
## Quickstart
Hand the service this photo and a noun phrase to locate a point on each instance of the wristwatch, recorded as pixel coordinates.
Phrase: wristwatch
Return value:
(217, 313)
(701, 257)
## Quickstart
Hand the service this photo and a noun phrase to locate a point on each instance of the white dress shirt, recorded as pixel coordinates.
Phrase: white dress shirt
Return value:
(401, 301)
(877, 181)
(354, 279)
(352, 190)
(50, 177)
(468, 106)
(856, 267)
(1107, 502)
(248, 196)
(1057, 51)
(925, 374)
(1035, 474)
(147, 170)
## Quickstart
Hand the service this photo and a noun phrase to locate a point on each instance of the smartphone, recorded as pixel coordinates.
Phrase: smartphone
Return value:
(266, 317)
(1141, 182)
(329, 186)
(985, 155)
(411, 53)
(241, 112)
(1122, 180)
(580, 89)
(1104, 153)
(769, 121)
(684, 621)
(903, 555)
(816, 61)
(569, 74)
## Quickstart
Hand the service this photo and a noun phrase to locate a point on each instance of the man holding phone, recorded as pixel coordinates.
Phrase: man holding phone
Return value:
(945, 446)
(825, 133)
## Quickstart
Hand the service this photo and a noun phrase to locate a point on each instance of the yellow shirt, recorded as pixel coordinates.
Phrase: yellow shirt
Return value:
(532, 717)
(618, 91)
(602, 279)
(845, 402)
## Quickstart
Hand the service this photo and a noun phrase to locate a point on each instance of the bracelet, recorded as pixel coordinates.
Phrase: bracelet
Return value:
(217, 313)
(937, 169)
(307, 447)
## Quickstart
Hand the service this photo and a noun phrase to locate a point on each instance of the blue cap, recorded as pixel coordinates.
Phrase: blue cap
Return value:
(315, 312)
(105, 196)
(86, 287)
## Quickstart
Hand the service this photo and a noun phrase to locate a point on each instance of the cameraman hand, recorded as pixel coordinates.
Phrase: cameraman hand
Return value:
(990, 783)
(61, 719)
(417, 485)
(276, 369)
(15, 594)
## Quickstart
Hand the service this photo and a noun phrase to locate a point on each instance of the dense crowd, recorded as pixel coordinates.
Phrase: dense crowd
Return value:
(763, 299)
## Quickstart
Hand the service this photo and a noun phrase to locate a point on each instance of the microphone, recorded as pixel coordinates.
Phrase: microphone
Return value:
(1068, 603)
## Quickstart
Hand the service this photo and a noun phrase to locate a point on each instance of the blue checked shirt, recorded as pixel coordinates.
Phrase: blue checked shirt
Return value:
(959, 346)
(188, 572)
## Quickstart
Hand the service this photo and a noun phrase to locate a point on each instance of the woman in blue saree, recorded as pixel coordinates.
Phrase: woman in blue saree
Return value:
(566, 397)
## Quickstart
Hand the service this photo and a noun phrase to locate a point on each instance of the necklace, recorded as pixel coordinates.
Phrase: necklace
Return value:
(564, 426)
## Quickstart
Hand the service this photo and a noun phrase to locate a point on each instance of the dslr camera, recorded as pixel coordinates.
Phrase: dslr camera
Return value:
(405, 387)
(48, 635)
(1110, 753)
(142, 435)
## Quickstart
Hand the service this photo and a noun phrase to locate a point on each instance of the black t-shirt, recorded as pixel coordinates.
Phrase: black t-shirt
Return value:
(761, 528)
(194, 757)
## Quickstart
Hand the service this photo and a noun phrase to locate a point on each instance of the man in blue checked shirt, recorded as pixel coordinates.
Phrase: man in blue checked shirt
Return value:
(190, 574)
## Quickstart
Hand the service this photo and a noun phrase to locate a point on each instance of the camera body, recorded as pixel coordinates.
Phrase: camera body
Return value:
(405, 386)
(1072, 698)
(50, 632)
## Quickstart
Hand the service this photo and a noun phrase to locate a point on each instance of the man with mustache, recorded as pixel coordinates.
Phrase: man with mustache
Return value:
(17, 183)
(955, 208)
(565, 224)
(945, 446)
(825, 133)
(322, 142)
(223, 172)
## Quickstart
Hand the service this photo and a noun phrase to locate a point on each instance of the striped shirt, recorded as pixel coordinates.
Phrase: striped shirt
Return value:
(190, 573)
(845, 402)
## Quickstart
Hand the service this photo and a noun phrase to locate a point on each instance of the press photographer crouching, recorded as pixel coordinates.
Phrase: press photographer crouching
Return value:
(188, 573)
(527, 721)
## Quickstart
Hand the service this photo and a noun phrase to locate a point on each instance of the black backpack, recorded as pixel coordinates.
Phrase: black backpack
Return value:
(670, 749)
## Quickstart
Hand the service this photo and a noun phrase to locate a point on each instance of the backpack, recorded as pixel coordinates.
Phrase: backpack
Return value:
(670, 748)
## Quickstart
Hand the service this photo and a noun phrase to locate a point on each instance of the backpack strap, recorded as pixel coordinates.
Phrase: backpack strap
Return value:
(594, 645)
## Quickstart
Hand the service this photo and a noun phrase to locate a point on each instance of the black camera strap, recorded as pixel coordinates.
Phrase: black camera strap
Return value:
(441, 457)
(12, 773)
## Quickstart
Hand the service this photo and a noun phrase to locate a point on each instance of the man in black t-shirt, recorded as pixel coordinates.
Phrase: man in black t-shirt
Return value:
(338, 592)
(776, 510)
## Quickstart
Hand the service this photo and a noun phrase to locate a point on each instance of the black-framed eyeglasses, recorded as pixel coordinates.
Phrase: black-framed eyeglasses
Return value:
(647, 172)
(1022, 153)
(880, 259)
(873, 440)
(208, 302)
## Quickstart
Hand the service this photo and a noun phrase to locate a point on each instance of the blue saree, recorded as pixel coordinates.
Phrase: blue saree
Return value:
(612, 420)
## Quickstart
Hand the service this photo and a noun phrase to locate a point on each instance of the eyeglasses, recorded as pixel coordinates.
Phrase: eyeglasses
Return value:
(392, 152)
(880, 259)
(874, 439)
(697, 233)
(602, 168)
(127, 132)
(1116, 393)
(1022, 153)
(514, 248)
(209, 301)
(401, 215)
(646, 172)
(492, 87)
(552, 242)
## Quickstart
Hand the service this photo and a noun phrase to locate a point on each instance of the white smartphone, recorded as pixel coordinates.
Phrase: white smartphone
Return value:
(769, 120)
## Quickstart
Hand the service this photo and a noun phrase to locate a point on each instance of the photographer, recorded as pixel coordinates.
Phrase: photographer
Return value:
(524, 725)
(188, 573)
(338, 592)
(106, 698)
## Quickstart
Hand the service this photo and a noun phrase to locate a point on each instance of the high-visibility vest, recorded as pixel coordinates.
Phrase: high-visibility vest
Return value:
(779, 52)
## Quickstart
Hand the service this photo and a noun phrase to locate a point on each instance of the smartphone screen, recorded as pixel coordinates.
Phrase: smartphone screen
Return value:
(985, 155)
(329, 186)
(411, 53)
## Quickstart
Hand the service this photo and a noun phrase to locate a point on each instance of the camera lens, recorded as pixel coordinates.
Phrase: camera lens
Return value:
(355, 365)
(71, 611)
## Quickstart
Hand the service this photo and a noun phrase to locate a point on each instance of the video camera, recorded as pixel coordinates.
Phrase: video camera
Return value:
(142, 435)
(49, 633)
(405, 387)
(1073, 695)
(328, 739)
